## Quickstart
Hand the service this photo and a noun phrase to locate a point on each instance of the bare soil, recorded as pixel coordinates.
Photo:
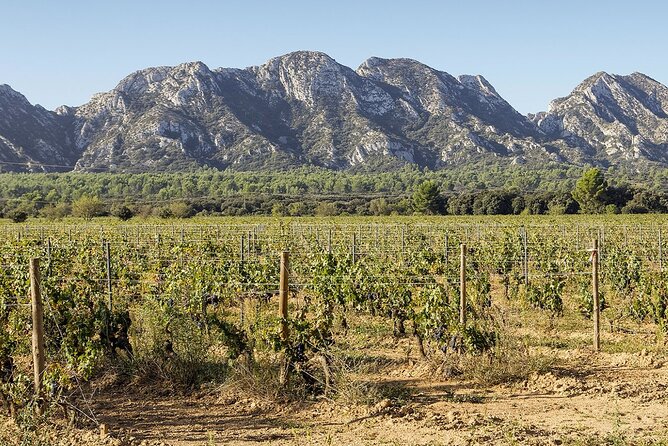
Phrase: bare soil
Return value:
(605, 398)
(614, 397)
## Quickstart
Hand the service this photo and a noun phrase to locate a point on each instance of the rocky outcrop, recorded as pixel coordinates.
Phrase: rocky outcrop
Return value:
(32, 138)
(304, 108)
(612, 118)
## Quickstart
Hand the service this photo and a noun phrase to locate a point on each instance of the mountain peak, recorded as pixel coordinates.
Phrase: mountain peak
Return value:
(479, 83)
(304, 108)
(195, 68)
(644, 81)
(613, 117)
(304, 57)
(610, 77)
(374, 61)
(29, 134)
(598, 78)
(302, 75)
(138, 82)
(376, 64)
(298, 64)
(183, 80)
(9, 92)
(638, 74)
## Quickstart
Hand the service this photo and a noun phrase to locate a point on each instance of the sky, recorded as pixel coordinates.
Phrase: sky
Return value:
(63, 52)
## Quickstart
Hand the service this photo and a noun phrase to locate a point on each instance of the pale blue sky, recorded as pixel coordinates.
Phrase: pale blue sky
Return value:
(62, 52)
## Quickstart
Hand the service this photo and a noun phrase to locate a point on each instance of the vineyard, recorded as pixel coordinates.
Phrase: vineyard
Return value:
(192, 304)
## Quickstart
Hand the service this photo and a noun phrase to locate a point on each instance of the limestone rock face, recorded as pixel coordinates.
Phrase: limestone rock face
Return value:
(31, 137)
(304, 108)
(612, 118)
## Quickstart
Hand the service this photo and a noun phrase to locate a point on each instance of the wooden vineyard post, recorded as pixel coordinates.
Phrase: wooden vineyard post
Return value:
(242, 301)
(329, 242)
(446, 248)
(660, 252)
(107, 262)
(283, 292)
(48, 256)
(403, 245)
(242, 249)
(462, 285)
(601, 244)
(525, 261)
(596, 305)
(38, 355)
(354, 243)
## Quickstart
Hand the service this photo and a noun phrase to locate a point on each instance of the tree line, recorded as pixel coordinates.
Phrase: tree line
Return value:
(591, 194)
(320, 192)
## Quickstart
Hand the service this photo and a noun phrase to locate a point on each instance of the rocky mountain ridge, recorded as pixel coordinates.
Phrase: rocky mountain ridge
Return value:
(304, 108)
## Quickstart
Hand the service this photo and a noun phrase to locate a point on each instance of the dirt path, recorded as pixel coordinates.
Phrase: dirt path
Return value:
(605, 398)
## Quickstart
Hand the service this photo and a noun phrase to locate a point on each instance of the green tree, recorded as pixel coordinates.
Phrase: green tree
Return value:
(379, 206)
(426, 198)
(278, 210)
(296, 209)
(87, 207)
(163, 212)
(590, 190)
(611, 209)
(122, 212)
(326, 209)
(181, 209)
(518, 205)
(562, 203)
(18, 215)
(493, 203)
(56, 212)
(461, 204)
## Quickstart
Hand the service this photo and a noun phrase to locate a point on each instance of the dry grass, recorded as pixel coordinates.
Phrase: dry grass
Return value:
(260, 379)
(508, 362)
(353, 385)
